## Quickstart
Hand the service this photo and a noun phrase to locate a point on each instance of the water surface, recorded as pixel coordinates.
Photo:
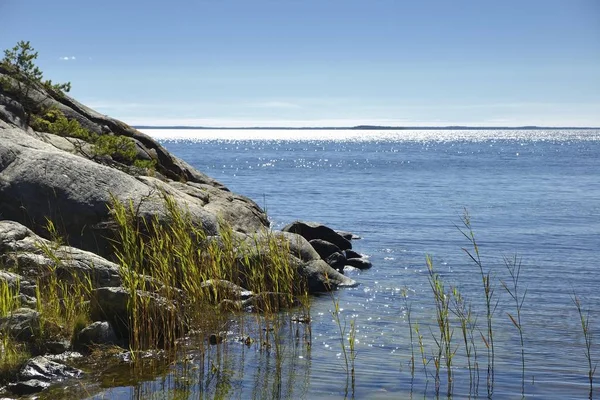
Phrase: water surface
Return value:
(534, 194)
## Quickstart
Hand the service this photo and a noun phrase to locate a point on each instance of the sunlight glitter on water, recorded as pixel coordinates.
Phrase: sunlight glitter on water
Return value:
(419, 135)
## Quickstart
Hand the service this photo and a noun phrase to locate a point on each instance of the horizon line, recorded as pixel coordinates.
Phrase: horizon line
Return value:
(362, 127)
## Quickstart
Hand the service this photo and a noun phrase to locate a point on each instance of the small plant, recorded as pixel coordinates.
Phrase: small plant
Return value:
(9, 299)
(444, 342)
(408, 306)
(121, 148)
(467, 326)
(488, 290)
(55, 122)
(12, 356)
(350, 353)
(584, 318)
(513, 267)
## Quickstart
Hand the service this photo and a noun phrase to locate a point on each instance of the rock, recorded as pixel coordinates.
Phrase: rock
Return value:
(38, 373)
(299, 247)
(223, 289)
(39, 181)
(215, 339)
(15, 281)
(348, 235)
(359, 263)
(112, 304)
(336, 261)
(313, 230)
(98, 333)
(23, 250)
(348, 269)
(56, 346)
(271, 302)
(42, 369)
(31, 386)
(324, 248)
(352, 254)
(22, 324)
(241, 213)
(322, 278)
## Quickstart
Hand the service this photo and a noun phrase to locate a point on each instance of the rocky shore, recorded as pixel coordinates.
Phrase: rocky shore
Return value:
(51, 177)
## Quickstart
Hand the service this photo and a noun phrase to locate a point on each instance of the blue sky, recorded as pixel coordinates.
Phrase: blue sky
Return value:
(321, 62)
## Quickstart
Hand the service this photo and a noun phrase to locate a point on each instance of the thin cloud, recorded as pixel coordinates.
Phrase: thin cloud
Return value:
(275, 104)
(67, 58)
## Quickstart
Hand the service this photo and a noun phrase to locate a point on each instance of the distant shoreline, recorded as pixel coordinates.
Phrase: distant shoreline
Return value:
(372, 127)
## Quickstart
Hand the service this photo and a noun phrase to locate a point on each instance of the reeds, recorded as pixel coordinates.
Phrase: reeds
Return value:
(12, 353)
(490, 302)
(513, 266)
(174, 256)
(446, 332)
(584, 319)
(349, 354)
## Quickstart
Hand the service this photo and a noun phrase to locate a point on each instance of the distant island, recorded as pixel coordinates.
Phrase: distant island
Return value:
(366, 127)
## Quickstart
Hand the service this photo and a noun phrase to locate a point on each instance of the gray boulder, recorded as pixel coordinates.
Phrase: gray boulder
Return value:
(98, 333)
(23, 250)
(322, 278)
(31, 386)
(223, 289)
(313, 230)
(39, 181)
(39, 373)
(45, 370)
(112, 304)
(22, 324)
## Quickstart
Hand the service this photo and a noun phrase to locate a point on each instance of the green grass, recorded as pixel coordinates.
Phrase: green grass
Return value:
(12, 353)
(178, 256)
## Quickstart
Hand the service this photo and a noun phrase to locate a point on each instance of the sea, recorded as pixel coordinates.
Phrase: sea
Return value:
(478, 204)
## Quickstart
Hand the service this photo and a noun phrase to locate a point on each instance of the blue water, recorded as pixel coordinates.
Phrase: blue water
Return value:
(529, 193)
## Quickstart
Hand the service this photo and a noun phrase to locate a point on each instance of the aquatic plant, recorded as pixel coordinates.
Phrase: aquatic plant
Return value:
(175, 259)
(468, 324)
(446, 332)
(488, 290)
(513, 267)
(404, 293)
(584, 319)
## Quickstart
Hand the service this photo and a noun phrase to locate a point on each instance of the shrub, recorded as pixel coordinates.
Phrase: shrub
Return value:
(55, 122)
(121, 148)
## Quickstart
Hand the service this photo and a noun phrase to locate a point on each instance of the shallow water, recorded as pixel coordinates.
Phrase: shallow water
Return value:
(534, 193)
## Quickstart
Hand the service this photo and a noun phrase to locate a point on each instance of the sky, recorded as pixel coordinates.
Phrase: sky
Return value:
(320, 62)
